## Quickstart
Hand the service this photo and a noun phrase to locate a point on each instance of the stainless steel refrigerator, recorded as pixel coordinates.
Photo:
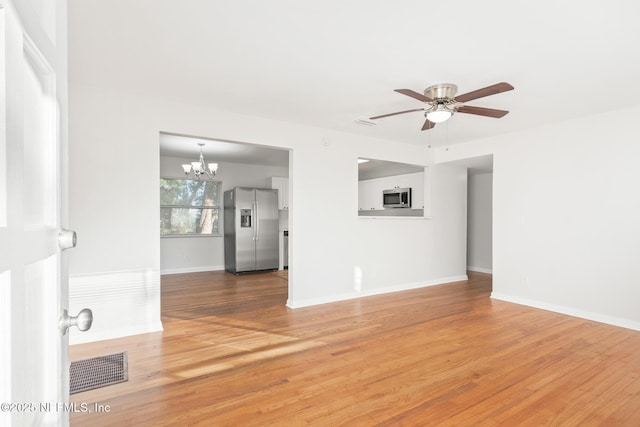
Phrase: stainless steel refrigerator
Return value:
(250, 229)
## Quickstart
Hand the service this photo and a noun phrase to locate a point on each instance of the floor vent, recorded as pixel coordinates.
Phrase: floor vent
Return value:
(98, 372)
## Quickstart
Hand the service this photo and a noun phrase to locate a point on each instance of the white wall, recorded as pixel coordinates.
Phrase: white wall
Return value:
(189, 254)
(432, 247)
(114, 202)
(479, 229)
(565, 215)
(391, 254)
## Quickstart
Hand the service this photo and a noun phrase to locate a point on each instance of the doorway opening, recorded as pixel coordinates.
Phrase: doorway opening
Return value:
(480, 220)
(188, 246)
(479, 212)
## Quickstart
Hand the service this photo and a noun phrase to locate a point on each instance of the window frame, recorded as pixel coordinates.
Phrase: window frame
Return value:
(216, 207)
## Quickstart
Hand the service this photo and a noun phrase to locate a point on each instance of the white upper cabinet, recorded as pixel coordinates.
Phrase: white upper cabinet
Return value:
(415, 181)
(370, 194)
(282, 185)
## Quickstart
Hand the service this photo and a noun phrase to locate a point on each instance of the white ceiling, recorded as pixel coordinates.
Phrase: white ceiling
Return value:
(326, 63)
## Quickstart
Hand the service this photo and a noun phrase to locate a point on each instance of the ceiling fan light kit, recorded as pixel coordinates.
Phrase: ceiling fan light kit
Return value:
(441, 102)
(441, 113)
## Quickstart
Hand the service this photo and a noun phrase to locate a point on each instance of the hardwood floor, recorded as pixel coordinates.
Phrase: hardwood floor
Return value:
(233, 354)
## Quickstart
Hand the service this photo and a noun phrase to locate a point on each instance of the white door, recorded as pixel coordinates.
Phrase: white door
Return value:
(34, 382)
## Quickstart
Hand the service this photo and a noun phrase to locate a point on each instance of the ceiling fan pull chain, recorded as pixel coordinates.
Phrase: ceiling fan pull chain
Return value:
(447, 132)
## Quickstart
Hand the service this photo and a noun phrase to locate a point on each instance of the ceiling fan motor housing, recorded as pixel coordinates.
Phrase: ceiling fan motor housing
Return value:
(442, 91)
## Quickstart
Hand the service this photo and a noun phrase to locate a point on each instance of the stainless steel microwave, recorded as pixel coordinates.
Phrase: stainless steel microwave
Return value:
(396, 198)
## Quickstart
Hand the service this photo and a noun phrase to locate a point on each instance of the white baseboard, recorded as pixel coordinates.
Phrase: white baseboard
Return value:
(570, 311)
(112, 333)
(191, 269)
(366, 293)
(480, 269)
(123, 303)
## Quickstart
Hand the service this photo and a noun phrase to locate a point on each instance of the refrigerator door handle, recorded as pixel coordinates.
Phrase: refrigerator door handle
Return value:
(253, 220)
(257, 221)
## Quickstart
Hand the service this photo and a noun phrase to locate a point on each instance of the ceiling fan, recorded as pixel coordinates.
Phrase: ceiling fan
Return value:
(441, 102)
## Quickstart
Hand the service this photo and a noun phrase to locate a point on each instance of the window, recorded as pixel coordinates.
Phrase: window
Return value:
(189, 207)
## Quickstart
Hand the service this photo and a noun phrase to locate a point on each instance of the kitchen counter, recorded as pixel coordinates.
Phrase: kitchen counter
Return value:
(283, 225)
(393, 212)
(281, 246)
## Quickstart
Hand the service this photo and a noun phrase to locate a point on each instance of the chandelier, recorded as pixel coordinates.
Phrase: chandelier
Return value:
(201, 167)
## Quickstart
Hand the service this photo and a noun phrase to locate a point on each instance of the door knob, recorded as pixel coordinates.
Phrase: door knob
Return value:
(82, 321)
(67, 239)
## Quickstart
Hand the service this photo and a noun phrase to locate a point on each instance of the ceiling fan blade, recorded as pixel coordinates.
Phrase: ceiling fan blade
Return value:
(414, 94)
(481, 111)
(486, 91)
(394, 114)
(428, 125)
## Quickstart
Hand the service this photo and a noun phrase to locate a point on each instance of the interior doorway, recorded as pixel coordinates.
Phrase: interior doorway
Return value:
(479, 212)
(239, 164)
(480, 221)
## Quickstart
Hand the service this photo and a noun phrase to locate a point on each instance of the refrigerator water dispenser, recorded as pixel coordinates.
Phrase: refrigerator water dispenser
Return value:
(245, 217)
